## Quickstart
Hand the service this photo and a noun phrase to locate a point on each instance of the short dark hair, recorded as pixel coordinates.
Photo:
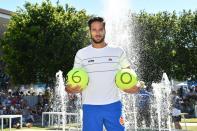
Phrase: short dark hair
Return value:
(94, 19)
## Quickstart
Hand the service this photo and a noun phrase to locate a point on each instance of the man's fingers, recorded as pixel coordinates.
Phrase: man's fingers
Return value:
(73, 89)
(77, 88)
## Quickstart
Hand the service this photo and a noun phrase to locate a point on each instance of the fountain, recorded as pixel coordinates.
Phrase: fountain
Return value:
(119, 31)
(160, 110)
(60, 98)
(61, 114)
(160, 107)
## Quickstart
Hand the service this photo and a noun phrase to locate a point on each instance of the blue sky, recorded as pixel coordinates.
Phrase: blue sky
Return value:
(96, 6)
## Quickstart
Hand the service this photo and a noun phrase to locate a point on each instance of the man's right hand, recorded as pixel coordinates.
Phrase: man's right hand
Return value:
(73, 89)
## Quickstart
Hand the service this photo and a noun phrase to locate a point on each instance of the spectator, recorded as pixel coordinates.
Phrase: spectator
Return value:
(1, 109)
(143, 106)
(28, 118)
(176, 112)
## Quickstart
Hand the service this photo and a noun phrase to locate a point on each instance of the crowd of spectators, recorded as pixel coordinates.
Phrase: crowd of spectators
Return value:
(13, 103)
(188, 96)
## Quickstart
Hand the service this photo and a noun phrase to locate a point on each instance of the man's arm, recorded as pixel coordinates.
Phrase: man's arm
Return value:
(124, 63)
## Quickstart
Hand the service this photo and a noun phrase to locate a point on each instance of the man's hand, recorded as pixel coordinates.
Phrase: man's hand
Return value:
(136, 88)
(132, 90)
(73, 89)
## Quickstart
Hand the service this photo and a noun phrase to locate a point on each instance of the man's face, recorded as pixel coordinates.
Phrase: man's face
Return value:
(97, 32)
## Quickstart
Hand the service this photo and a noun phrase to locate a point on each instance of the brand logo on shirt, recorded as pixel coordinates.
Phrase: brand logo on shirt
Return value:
(110, 59)
(90, 61)
(121, 120)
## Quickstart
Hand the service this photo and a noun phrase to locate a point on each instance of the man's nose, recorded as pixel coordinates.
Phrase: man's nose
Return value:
(98, 32)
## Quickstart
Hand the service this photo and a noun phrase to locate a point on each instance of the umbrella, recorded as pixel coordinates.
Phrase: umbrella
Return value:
(184, 84)
(179, 85)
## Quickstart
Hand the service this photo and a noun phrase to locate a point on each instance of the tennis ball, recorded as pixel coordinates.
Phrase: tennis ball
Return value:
(78, 76)
(125, 79)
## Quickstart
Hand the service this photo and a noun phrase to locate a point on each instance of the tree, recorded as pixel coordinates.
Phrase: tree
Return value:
(186, 40)
(42, 39)
(168, 43)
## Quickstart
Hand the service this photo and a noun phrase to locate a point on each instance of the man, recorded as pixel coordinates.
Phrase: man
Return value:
(143, 101)
(176, 111)
(101, 101)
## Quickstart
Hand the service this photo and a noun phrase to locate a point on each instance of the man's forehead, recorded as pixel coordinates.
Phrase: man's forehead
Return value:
(97, 23)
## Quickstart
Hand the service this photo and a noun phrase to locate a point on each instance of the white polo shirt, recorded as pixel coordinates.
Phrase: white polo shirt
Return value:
(101, 65)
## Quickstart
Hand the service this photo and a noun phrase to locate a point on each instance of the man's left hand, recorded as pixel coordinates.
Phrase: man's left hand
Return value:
(132, 90)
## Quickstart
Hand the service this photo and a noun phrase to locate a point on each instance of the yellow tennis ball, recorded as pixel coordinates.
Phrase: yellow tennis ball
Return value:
(125, 79)
(78, 76)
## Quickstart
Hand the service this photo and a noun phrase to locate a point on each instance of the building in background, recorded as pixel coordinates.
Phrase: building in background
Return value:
(4, 19)
(5, 16)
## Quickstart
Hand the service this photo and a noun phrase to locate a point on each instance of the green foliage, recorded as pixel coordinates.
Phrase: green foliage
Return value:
(42, 39)
(168, 43)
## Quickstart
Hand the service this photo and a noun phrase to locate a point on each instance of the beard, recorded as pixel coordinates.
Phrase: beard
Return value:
(98, 41)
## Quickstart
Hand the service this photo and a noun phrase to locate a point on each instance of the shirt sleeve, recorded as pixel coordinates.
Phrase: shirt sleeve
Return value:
(78, 61)
(124, 62)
